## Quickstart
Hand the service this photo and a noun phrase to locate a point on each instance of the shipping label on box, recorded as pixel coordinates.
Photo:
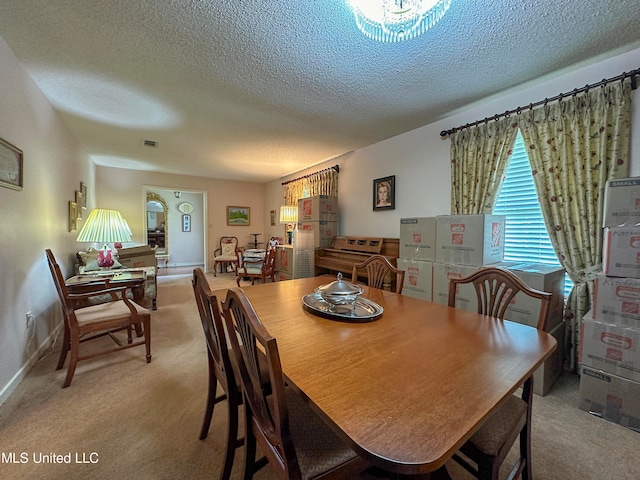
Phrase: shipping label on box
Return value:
(621, 252)
(418, 278)
(617, 300)
(466, 298)
(321, 208)
(284, 259)
(418, 238)
(470, 239)
(622, 203)
(612, 348)
(323, 232)
(611, 397)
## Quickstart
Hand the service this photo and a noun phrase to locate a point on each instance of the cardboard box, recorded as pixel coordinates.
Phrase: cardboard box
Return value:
(418, 238)
(622, 203)
(617, 300)
(611, 397)
(548, 373)
(281, 276)
(466, 296)
(323, 232)
(611, 348)
(284, 259)
(621, 252)
(545, 278)
(418, 278)
(321, 208)
(140, 256)
(470, 239)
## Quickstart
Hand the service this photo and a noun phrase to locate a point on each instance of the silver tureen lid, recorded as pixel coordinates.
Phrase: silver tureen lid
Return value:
(339, 287)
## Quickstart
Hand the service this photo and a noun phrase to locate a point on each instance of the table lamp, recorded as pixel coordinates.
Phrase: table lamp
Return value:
(105, 226)
(289, 217)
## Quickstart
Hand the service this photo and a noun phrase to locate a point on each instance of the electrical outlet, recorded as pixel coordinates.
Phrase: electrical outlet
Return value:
(30, 319)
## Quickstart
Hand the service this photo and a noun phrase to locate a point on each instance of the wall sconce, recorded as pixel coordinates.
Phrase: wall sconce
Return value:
(177, 194)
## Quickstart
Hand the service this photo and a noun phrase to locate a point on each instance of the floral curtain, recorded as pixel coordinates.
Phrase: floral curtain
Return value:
(479, 157)
(324, 182)
(575, 146)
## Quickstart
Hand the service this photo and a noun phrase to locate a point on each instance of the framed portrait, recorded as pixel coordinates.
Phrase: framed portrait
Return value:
(83, 190)
(239, 216)
(10, 166)
(272, 216)
(384, 193)
(73, 216)
(186, 223)
(79, 202)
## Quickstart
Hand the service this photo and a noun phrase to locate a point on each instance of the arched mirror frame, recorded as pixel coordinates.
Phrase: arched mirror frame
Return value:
(154, 197)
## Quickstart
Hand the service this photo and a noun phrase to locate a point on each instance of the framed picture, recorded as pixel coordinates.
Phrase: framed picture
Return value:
(10, 166)
(186, 223)
(238, 216)
(83, 190)
(79, 202)
(73, 216)
(384, 193)
(272, 216)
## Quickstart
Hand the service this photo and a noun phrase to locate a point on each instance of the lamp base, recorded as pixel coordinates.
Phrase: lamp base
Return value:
(105, 258)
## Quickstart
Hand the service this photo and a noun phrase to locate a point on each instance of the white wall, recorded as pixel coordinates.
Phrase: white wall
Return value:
(33, 219)
(420, 158)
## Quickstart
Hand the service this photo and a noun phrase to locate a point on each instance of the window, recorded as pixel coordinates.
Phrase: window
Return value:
(526, 237)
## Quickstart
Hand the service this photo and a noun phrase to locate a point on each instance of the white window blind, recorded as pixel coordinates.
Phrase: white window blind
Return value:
(526, 237)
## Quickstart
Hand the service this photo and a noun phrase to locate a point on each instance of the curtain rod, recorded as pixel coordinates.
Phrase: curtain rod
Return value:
(335, 167)
(573, 93)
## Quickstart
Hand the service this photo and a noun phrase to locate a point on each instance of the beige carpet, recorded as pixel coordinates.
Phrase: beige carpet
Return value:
(141, 421)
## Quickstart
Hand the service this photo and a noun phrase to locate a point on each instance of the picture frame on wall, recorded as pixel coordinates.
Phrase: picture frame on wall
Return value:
(11, 174)
(73, 216)
(384, 193)
(83, 190)
(79, 202)
(186, 223)
(272, 216)
(239, 216)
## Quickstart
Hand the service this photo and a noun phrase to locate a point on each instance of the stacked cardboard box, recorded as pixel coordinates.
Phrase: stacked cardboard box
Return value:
(609, 354)
(434, 250)
(319, 215)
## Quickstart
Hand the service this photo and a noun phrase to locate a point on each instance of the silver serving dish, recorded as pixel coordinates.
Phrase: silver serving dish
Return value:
(339, 292)
(362, 310)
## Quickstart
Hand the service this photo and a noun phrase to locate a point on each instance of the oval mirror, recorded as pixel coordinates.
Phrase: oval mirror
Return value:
(157, 223)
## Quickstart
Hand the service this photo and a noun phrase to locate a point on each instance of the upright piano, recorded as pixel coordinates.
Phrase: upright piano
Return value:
(346, 251)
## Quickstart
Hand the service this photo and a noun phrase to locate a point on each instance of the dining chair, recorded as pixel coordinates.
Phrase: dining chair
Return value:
(82, 324)
(378, 270)
(294, 440)
(221, 369)
(495, 289)
(227, 253)
(258, 269)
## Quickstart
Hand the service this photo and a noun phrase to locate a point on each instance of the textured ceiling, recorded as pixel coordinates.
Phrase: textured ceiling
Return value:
(257, 89)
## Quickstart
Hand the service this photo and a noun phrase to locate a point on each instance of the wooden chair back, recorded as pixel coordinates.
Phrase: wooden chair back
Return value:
(379, 271)
(265, 402)
(495, 290)
(267, 268)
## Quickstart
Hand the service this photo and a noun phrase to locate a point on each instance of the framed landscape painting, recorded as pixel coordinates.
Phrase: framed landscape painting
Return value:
(238, 216)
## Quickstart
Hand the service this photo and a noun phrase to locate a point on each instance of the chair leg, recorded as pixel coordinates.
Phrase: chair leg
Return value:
(73, 361)
(249, 445)
(211, 399)
(232, 436)
(147, 337)
(65, 348)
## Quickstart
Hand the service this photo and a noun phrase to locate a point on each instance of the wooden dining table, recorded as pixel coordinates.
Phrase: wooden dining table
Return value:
(407, 389)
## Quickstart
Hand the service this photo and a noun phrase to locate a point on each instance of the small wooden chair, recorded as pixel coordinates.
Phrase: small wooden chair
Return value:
(87, 323)
(221, 368)
(228, 252)
(258, 269)
(295, 441)
(487, 448)
(379, 271)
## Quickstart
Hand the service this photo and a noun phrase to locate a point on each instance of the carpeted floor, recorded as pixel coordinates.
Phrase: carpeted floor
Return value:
(124, 419)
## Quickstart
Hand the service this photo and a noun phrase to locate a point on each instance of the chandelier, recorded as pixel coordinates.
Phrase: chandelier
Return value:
(397, 20)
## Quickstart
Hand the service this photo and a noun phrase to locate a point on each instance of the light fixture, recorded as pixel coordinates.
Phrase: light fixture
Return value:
(397, 20)
(289, 217)
(105, 226)
(177, 194)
